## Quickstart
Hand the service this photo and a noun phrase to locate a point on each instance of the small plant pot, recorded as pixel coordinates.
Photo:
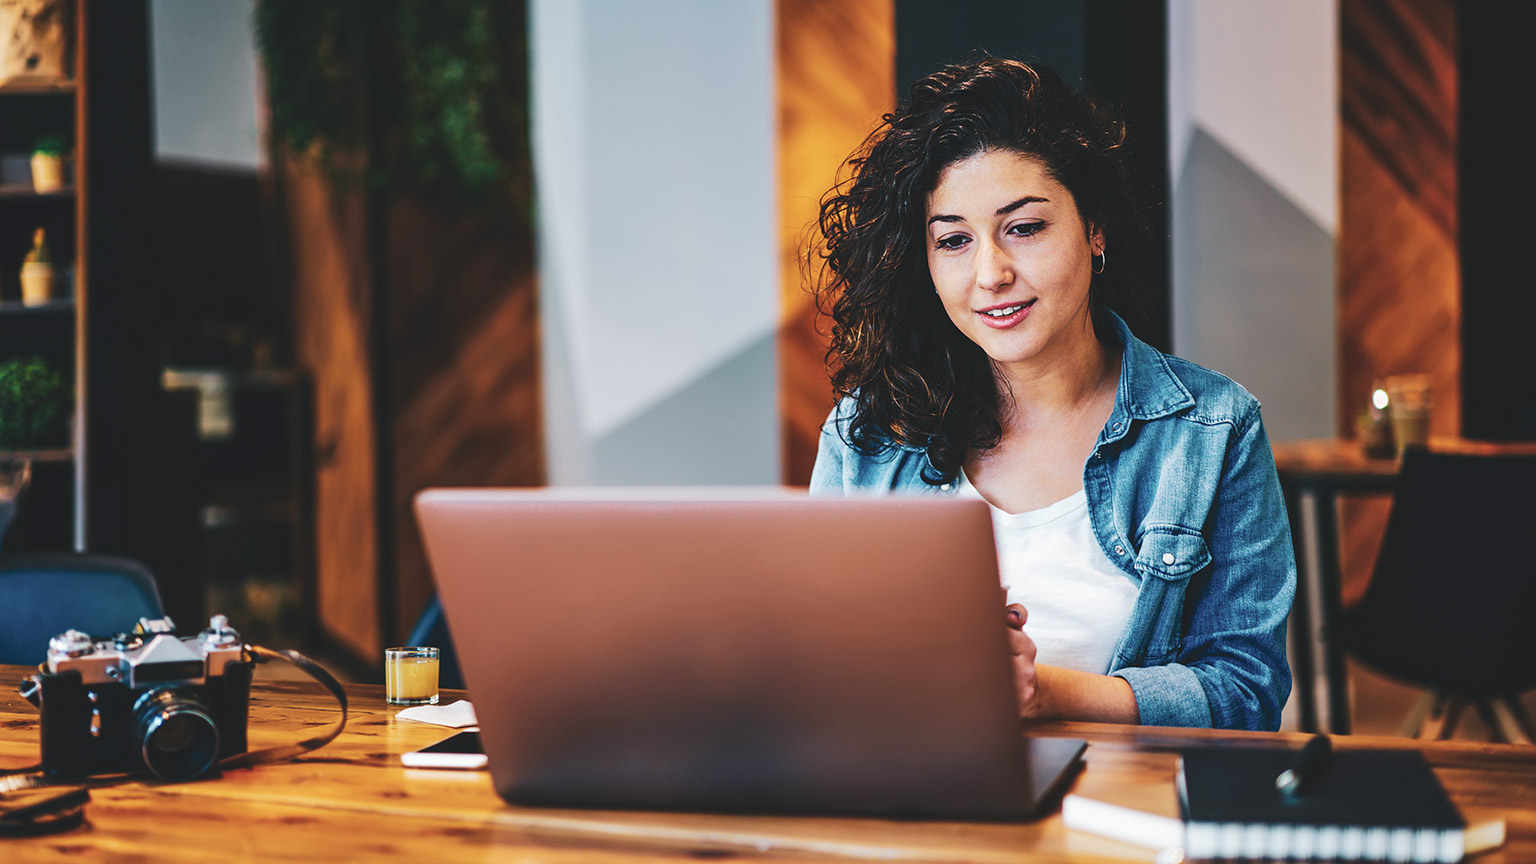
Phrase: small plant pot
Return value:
(47, 172)
(36, 284)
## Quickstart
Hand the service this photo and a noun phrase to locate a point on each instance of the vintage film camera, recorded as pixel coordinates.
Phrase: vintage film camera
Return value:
(146, 700)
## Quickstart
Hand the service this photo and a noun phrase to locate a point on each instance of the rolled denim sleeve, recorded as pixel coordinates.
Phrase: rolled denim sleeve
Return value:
(1170, 695)
(1231, 670)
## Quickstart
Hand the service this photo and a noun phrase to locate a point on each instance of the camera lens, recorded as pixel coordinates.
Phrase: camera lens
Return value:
(178, 738)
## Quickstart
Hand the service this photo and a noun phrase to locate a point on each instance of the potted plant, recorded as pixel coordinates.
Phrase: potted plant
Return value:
(37, 272)
(34, 405)
(48, 163)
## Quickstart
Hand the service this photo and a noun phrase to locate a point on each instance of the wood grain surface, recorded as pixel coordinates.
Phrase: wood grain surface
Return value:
(333, 305)
(352, 801)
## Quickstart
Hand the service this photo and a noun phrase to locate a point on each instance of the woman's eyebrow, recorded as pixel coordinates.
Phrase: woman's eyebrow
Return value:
(1027, 199)
(1001, 211)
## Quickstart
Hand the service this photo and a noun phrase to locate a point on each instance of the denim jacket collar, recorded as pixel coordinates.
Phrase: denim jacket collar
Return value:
(1148, 388)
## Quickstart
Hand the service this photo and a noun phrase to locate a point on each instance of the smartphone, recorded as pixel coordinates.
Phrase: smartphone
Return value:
(458, 751)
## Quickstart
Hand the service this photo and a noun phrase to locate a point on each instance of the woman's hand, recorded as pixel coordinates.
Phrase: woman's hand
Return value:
(1025, 678)
(1054, 693)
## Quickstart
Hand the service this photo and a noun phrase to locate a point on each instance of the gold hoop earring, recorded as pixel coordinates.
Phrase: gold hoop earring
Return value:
(1103, 260)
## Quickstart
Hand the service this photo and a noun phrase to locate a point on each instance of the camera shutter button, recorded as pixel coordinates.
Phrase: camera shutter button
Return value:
(219, 633)
(70, 643)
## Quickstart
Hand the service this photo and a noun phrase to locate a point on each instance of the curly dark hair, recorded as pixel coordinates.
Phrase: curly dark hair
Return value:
(915, 380)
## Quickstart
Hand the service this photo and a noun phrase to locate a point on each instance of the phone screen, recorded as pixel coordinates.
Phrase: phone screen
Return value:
(458, 751)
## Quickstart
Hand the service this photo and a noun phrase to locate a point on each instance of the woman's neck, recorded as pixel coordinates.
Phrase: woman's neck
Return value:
(1079, 374)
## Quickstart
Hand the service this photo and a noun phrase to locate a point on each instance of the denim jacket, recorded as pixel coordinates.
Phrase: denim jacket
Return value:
(1184, 498)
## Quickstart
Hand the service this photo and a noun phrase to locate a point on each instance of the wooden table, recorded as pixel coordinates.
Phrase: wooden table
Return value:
(1314, 474)
(352, 801)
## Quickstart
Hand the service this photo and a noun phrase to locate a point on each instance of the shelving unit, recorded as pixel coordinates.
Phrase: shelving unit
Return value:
(52, 516)
(66, 85)
(16, 190)
(13, 307)
(127, 482)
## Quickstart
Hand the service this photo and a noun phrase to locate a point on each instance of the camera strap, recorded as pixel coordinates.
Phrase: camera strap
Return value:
(314, 670)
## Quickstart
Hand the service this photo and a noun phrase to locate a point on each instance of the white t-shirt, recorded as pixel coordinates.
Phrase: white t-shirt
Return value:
(1078, 601)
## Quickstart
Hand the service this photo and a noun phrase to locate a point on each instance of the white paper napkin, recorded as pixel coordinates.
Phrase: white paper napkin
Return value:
(454, 716)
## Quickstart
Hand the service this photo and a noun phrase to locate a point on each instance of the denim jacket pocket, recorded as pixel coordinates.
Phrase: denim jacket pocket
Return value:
(1172, 553)
(1168, 556)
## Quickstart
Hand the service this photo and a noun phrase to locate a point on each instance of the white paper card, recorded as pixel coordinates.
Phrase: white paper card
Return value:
(455, 716)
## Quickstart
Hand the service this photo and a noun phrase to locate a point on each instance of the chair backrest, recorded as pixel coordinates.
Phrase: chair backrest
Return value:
(432, 629)
(1451, 601)
(42, 595)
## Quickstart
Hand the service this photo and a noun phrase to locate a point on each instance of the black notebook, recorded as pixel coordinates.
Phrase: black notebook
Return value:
(1373, 805)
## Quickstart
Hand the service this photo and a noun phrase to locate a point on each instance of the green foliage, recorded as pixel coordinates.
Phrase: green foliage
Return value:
(316, 55)
(52, 144)
(34, 404)
(433, 93)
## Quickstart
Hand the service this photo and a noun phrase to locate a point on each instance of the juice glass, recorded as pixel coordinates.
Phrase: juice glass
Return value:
(410, 675)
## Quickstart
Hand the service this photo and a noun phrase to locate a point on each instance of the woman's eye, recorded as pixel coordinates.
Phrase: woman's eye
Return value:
(1026, 229)
(953, 241)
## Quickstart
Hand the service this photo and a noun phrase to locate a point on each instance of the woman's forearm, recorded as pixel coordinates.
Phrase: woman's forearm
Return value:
(1067, 694)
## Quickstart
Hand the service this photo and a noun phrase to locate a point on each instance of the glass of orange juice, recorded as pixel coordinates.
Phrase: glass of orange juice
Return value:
(410, 675)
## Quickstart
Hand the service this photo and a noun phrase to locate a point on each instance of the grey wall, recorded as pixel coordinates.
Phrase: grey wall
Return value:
(206, 83)
(654, 145)
(1253, 128)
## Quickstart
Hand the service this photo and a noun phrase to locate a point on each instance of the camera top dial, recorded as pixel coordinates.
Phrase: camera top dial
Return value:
(154, 655)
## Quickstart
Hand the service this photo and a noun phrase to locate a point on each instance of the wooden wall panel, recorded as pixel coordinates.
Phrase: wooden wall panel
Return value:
(464, 367)
(836, 77)
(332, 308)
(1399, 289)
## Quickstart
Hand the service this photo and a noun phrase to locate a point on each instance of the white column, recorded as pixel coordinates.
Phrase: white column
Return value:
(653, 143)
(1253, 127)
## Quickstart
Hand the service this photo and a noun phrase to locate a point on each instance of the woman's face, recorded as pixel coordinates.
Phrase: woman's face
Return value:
(1011, 257)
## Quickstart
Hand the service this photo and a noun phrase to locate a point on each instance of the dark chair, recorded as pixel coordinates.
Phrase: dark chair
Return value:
(42, 595)
(432, 630)
(1451, 601)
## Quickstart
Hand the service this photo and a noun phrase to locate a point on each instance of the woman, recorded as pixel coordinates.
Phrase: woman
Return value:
(1142, 538)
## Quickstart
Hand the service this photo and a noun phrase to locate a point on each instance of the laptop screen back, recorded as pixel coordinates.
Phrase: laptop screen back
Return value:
(735, 650)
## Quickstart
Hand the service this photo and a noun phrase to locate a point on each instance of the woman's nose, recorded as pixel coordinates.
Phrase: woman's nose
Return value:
(993, 269)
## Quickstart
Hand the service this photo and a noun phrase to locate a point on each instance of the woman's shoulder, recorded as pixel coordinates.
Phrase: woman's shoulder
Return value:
(1217, 397)
(839, 426)
(843, 465)
(1163, 384)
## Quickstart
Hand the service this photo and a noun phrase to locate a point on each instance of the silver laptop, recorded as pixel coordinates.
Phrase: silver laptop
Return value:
(742, 650)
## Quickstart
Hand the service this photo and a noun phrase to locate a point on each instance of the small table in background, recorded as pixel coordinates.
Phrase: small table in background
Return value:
(1314, 474)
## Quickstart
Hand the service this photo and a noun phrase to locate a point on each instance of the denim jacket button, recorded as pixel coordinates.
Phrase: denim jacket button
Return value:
(1167, 557)
(1119, 550)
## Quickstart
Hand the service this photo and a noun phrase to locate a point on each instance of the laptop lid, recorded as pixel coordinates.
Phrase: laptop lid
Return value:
(745, 650)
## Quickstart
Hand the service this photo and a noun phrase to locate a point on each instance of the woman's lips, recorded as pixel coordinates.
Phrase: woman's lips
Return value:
(1004, 315)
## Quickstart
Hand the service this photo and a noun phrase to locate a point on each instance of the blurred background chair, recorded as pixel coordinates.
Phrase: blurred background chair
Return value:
(1451, 599)
(42, 595)
(432, 630)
